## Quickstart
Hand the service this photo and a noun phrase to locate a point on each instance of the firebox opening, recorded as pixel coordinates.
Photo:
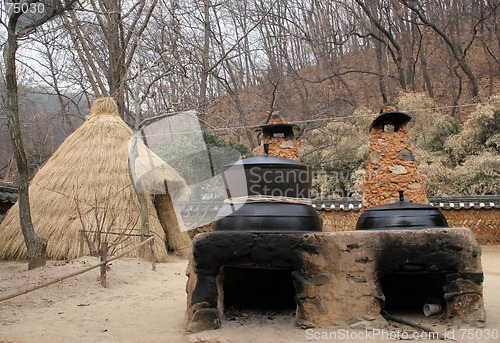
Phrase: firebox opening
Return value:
(408, 292)
(258, 289)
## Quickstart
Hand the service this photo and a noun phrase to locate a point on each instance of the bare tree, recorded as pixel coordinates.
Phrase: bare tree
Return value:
(35, 244)
(237, 62)
(381, 30)
(453, 34)
(106, 35)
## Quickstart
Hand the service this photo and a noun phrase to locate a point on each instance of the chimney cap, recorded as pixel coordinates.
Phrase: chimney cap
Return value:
(398, 119)
(278, 128)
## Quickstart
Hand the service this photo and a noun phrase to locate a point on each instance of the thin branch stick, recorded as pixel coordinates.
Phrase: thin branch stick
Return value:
(75, 273)
(119, 233)
(411, 323)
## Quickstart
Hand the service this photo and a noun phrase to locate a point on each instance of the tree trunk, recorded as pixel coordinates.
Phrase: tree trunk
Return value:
(141, 197)
(116, 54)
(455, 112)
(454, 46)
(205, 58)
(35, 244)
(371, 11)
(425, 70)
(380, 66)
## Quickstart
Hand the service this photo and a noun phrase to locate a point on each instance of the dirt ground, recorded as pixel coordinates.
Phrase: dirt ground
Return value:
(141, 305)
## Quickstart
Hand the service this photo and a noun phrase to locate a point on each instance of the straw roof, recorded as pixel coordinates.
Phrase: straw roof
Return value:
(87, 177)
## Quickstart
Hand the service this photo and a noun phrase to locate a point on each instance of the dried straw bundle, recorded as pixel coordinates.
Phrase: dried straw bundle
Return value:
(89, 174)
(176, 237)
(152, 175)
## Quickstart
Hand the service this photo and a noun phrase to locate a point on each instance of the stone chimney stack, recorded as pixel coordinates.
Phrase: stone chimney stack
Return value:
(279, 138)
(391, 164)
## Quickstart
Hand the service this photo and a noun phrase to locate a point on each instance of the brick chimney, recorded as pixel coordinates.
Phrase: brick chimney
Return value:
(391, 164)
(280, 137)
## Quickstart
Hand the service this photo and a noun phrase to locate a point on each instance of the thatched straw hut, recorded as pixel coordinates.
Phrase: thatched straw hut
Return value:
(86, 183)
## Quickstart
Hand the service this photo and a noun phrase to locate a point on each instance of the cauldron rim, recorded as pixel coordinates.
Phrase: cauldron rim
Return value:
(267, 161)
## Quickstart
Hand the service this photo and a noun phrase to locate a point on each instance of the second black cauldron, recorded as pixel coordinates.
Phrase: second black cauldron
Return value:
(401, 216)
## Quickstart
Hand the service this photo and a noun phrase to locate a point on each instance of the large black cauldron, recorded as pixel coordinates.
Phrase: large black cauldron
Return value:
(270, 217)
(401, 216)
(278, 191)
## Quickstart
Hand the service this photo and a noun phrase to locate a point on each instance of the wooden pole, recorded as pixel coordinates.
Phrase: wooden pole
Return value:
(104, 263)
(82, 239)
(152, 254)
(34, 288)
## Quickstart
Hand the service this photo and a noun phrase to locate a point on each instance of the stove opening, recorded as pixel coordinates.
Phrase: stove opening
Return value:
(260, 290)
(408, 292)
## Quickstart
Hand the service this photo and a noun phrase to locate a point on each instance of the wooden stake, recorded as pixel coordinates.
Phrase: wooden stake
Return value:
(152, 254)
(82, 240)
(104, 263)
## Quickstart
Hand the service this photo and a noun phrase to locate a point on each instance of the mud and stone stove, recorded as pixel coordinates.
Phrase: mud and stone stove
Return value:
(281, 259)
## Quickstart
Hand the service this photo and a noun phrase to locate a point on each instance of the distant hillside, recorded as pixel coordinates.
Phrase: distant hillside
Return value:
(44, 125)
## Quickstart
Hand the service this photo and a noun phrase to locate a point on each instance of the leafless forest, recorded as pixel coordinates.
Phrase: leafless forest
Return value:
(327, 65)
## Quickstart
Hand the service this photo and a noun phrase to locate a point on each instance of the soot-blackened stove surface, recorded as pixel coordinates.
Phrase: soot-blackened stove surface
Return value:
(280, 250)
(337, 276)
